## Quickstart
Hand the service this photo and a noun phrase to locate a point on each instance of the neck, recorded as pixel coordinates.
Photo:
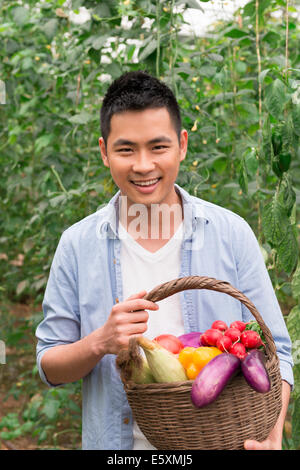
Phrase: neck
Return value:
(155, 221)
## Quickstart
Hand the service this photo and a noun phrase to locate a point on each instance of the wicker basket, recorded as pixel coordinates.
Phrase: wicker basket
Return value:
(169, 420)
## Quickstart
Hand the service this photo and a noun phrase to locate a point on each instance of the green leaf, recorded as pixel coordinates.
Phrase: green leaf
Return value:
(130, 51)
(295, 284)
(251, 161)
(20, 15)
(215, 57)
(151, 46)
(220, 165)
(42, 142)
(50, 409)
(262, 75)
(296, 423)
(21, 286)
(267, 141)
(207, 71)
(50, 28)
(296, 119)
(274, 222)
(287, 251)
(99, 42)
(81, 118)
(271, 37)
(286, 193)
(235, 33)
(293, 326)
(276, 97)
(243, 177)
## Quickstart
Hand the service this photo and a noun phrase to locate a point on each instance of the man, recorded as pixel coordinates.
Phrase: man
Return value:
(152, 231)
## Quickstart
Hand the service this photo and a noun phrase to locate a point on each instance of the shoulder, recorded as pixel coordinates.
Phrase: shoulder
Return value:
(217, 214)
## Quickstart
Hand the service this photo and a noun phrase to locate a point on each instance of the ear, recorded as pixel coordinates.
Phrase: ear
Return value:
(183, 144)
(103, 152)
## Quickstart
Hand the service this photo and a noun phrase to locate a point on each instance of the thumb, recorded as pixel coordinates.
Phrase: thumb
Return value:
(252, 445)
(138, 295)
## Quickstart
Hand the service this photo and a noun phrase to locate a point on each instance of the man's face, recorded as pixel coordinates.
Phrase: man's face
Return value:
(144, 154)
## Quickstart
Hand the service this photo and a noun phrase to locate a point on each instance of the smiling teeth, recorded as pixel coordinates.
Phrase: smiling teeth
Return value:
(145, 183)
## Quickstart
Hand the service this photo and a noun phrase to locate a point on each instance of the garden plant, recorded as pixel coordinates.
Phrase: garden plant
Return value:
(238, 85)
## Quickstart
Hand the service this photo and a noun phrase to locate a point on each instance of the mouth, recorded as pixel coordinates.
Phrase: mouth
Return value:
(146, 186)
(145, 183)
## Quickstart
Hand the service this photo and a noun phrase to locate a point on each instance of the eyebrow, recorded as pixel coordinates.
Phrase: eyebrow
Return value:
(161, 138)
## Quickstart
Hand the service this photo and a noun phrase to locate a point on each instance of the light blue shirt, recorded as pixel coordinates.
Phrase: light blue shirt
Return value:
(85, 281)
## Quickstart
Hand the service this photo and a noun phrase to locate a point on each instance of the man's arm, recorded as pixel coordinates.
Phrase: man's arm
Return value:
(274, 440)
(70, 362)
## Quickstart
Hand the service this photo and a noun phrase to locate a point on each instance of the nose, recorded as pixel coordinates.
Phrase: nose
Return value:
(143, 162)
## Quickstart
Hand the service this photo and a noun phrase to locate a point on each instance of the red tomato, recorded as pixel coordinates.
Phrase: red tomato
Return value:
(210, 337)
(251, 339)
(233, 333)
(239, 350)
(224, 343)
(169, 342)
(240, 325)
(219, 325)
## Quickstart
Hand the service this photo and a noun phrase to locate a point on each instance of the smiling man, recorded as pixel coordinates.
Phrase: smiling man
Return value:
(152, 231)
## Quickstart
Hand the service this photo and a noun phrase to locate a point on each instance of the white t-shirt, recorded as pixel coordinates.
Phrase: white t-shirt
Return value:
(143, 270)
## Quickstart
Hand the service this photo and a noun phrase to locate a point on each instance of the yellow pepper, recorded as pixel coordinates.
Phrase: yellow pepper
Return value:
(194, 359)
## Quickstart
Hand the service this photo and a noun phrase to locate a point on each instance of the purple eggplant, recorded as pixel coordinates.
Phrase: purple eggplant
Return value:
(191, 339)
(213, 378)
(255, 373)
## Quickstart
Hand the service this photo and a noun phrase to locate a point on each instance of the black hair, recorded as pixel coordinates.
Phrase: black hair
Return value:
(137, 91)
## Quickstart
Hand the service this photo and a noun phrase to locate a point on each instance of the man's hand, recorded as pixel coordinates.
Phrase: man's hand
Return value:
(268, 444)
(70, 362)
(126, 320)
(274, 439)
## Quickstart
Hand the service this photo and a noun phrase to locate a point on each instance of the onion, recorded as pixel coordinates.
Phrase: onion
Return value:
(191, 339)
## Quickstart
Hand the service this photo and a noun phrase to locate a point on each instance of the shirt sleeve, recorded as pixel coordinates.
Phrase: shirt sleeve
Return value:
(61, 323)
(255, 283)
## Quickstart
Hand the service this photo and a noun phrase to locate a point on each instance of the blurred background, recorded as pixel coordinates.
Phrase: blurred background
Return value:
(235, 69)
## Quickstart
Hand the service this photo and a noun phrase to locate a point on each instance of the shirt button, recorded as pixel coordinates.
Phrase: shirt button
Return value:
(117, 300)
(126, 420)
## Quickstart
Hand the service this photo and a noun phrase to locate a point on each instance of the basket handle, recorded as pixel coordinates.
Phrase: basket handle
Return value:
(202, 282)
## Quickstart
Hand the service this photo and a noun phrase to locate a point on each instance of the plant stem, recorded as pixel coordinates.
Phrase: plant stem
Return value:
(259, 113)
(286, 40)
(58, 179)
(173, 49)
(258, 63)
(158, 37)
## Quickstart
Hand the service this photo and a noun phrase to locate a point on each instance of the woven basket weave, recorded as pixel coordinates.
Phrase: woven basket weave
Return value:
(169, 420)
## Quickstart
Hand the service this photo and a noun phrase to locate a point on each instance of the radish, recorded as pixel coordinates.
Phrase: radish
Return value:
(210, 337)
(240, 325)
(224, 343)
(219, 325)
(239, 350)
(233, 333)
(251, 339)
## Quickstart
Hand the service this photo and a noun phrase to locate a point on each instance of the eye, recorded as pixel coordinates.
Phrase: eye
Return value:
(160, 147)
(124, 150)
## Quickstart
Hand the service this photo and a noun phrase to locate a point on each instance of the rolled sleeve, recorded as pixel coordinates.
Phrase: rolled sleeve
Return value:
(255, 283)
(61, 323)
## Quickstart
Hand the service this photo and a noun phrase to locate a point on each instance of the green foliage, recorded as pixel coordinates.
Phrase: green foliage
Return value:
(238, 88)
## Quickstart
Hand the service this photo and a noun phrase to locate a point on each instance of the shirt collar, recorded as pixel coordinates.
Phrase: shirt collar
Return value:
(194, 210)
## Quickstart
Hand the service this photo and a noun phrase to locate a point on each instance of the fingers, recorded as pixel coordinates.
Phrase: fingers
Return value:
(134, 305)
(250, 444)
(139, 295)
